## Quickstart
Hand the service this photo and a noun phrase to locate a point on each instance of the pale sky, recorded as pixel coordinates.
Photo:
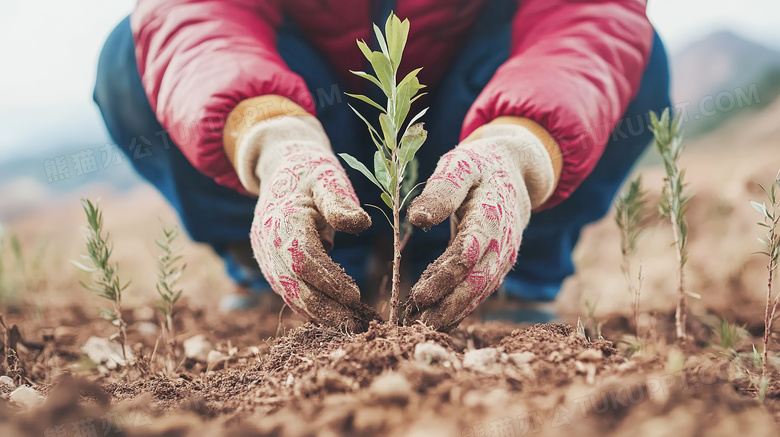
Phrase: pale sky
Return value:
(49, 50)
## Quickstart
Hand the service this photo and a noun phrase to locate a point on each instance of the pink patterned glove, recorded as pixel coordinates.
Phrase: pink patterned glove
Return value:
(304, 195)
(489, 185)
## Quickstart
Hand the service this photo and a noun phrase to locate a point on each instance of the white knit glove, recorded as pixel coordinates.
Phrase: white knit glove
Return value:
(304, 194)
(489, 185)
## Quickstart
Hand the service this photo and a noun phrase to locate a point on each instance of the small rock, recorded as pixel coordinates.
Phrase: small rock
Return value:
(104, 351)
(590, 377)
(480, 359)
(337, 354)
(8, 382)
(590, 355)
(391, 386)
(490, 399)
(522, 357)
(147, 328)
(431, 353)
(26, 396)
(145, 313)
(290, 380)
(197, 348)
(555, 357)
(215, 356)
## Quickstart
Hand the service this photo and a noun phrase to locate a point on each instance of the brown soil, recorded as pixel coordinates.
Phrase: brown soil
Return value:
(481, 379)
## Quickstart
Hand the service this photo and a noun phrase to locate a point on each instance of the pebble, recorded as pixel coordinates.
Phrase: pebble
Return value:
(7, 381)
(26, 396)
(147, 328)
(215, 356)
(480, 359)
(197, 348)
(104, 351)
(337, 354)
(145, 313)
(391, 386)
(590, 355)
(431, 353)
(522, 357)
(492, 399)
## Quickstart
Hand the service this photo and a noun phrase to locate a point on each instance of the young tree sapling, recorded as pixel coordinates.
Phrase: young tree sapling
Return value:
(105, 280)
(770, 215)
(394, 165)
(628, 216)
(674, 202)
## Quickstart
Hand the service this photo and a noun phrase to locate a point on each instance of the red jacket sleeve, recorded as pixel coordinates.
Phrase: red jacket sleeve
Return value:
(574, 67)
(199, 59)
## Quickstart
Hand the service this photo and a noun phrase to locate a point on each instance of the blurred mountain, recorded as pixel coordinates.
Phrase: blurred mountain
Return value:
(745, 74)
(717, 77)
(30, 184)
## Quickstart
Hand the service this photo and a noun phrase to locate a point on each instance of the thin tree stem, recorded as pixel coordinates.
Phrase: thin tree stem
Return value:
(626, 268)
(395, 293)
(767, 325)
(769, 315)
(169, 322)
(122, 334)
(680, 315)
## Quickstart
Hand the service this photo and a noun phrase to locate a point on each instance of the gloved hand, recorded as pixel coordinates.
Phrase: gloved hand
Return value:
(304, 194)
(489, 184)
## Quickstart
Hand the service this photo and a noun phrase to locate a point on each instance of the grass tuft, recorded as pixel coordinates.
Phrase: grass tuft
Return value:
(104, 280)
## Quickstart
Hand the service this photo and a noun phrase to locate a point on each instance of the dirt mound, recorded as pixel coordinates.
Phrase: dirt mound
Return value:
(408, 381)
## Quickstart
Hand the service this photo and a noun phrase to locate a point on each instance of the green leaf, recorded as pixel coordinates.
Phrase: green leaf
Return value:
(82, 267)
(410, 143)
(357, 165)
(368, 77)
(390, 222)
(693, 294)
(411, 76)
(381, 40)
(405, 92)
(417, 97)
(372, 131)
(397, 33)
(381, 171)
(107, 314)
(367, 100)
(388, 130)
(760, 207)
(384, 71)
(388, 201)
(415, 118)
(364, 49)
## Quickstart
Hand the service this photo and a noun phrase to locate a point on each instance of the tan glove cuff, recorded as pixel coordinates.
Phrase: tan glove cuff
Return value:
(258, 127)
(539, 132)
(249, 112)
(540, 157)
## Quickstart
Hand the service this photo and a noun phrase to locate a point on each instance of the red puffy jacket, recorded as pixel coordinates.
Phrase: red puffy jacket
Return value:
(574, 65)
